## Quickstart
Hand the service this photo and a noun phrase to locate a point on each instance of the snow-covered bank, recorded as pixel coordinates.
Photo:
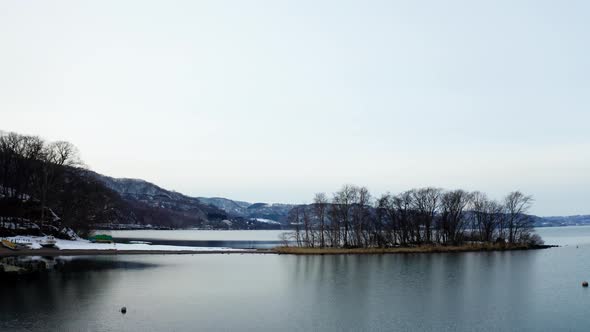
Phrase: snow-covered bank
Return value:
(34, 242)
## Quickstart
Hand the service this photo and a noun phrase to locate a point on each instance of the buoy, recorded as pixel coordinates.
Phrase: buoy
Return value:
(124, 310)
(585, 284)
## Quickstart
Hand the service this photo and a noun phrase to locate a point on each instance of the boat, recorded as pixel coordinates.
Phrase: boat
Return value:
(9, 244)
(48, 242)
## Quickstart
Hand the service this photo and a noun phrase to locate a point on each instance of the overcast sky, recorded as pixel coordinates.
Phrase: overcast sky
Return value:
(276, 100)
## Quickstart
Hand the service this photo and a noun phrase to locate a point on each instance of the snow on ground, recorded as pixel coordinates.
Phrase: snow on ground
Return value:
(11, 192)
(34, 242)
(266, 221)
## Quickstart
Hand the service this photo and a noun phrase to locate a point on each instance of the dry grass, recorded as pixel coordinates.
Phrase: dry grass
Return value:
(401, 250)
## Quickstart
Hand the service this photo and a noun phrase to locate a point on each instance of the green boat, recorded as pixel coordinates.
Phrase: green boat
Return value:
(101, 238)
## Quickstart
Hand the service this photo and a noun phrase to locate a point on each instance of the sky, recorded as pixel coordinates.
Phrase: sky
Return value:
(274, 101)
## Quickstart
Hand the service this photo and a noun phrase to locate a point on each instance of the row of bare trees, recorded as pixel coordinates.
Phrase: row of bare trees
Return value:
(353, 218)
(30, 167)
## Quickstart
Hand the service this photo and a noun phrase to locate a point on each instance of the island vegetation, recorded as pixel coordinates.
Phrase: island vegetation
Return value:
(417, 220)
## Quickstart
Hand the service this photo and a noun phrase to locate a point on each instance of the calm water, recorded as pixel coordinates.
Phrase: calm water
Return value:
(199, 238)
(511, 291)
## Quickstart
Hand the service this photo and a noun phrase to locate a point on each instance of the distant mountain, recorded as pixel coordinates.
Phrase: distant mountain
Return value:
(264, 211)
(235, 208)
(578, 220)
(157, 206)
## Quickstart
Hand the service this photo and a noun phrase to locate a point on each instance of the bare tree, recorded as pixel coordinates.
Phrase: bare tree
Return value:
(64, 154)
(360, 215)
(307, 226)
(335, 226)
(54, 157)
(387, 214)
(487, 216)
(453, 204)
(294, 220)
(343, 201)
(425, 202)
(320, 202)
(404, 218)
(516, 206)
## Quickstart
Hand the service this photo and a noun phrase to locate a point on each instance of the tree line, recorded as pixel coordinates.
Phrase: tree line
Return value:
(43, 181)
(352, 218)
(39, 178)
(31, 166)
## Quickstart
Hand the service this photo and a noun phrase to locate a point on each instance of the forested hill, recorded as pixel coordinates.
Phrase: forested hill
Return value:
(235, 214)
(157, 206)
(44, 188)
(259, 211)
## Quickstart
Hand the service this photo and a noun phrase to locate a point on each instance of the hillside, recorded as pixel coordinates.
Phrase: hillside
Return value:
(185, 211)
(173, 209)
(276, 212)
(203, 209)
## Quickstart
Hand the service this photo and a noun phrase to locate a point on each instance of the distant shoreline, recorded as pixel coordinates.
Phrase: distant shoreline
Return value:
(52, 252)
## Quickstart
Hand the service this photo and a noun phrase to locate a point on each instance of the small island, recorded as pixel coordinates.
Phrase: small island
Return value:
(426, 220)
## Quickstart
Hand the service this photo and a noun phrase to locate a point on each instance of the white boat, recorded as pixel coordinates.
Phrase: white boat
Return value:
(48, 242)
(139, 242)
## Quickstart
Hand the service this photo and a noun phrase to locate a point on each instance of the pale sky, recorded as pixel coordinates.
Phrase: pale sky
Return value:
(276, 100)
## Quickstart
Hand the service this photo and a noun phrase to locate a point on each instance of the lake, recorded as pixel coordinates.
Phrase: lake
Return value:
(203, 238)
(536, 290)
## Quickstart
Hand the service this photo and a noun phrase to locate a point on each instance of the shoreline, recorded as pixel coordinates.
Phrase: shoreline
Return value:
(52, 252)
(100, 252)
(406, 250)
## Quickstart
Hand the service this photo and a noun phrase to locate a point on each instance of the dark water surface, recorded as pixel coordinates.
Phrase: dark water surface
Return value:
(203, 238)
(508, 291)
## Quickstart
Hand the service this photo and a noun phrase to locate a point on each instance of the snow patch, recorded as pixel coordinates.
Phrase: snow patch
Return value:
(266, 221)
(34, 242)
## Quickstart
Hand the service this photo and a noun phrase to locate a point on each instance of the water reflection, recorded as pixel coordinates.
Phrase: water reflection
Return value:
(353, 292)
(527, 290)
(28, 265)
(56, 289)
